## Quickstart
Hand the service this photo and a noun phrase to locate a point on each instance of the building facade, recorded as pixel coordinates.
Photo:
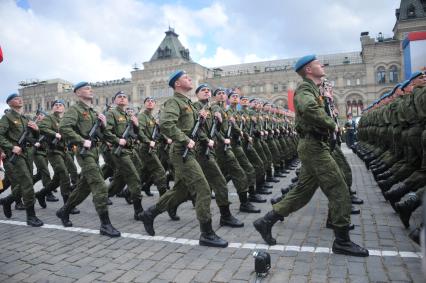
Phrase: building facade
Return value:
(358, 77)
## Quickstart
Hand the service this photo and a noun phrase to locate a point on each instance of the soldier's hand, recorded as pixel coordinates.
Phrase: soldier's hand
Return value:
(37, 144)
(232, 119)
(253, 119)
(17, 150)
(211, 143)
(218, 116)
(58, 136)
(33, 125)
(336, 129)
(250, 139)
(87, 143)
(102, 118)
(266, 133)
(244, 119)
(122, 142)
(169, 141)
(278, 131)
(262, 133)
(2, 155)
(191, 144)
(203, 113)
(152, 143)
(135, 121)
(227, 141)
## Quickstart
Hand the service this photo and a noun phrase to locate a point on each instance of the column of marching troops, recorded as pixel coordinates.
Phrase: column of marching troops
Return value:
(201, 146)
(392, 142)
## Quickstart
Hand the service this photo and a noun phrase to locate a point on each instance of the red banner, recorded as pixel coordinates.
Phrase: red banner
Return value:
(290, 95)
(1, 55)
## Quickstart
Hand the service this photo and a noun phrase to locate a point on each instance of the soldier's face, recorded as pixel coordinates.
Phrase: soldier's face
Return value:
(58, 108)
(85, 92)
(204, 94)
(17, 102)
(220, 96)
(244, 102)
(184, 82)
(150, 104)
(420, 80)
(316, 69)
(235, 99)
(121, 100)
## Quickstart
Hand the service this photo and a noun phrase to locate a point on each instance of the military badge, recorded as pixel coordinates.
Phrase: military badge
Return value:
(85, 115)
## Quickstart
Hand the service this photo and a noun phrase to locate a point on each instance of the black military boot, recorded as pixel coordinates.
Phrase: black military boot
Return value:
(264, 225)
(64, 214)
(384, 175)
(405, 208)
(148, 217)
(106, 227)
(355, 210)
(270, 178)
(264, 184)
(262, 190)
(109, 201)
(173, 213)
(254, 197)
(209, 238)
(396, 194)
(287, 189)
(41, 197)
(294, 179)
(356, 200)
(50, 197)
(74, 210)
(386, 185)
(352, 192)
(7, 205)
(288, 166)
(19, 205)
(126, 195)
(415, 234)
(146, 187)
(277, 173)
(32, 219)
(245, 205)
(137, 207)
(276, 199)
(227, 219)
(343, 244)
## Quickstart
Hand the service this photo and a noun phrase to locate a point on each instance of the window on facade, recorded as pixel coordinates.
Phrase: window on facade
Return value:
(283, 87)
(68, 104)
(141, 93)
(348, 82)
(411, 12)
(381, 75)
(275, 88)
(47, 105)
(253, 89)
(30, 106)
(25, 108)
(333, 83)
(261, 89)
(358, 81)
(106, 100)
(393, 74)
(97, 101)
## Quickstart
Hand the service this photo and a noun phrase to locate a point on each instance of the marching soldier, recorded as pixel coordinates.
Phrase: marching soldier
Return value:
(319, 168)
(17, 135)
(76, 126)
(176, 122)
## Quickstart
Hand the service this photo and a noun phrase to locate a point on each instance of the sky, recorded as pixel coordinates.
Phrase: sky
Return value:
(97, 40)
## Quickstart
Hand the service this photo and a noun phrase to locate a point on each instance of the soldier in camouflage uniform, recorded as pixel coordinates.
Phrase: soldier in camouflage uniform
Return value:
(13, 126)
(75, 127)
(319, 168)
(177, 120)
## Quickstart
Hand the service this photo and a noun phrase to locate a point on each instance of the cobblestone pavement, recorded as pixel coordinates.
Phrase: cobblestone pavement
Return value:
(79, 254)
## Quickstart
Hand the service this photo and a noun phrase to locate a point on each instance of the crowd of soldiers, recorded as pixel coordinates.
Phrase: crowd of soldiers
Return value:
(200, 145)
(392, 142)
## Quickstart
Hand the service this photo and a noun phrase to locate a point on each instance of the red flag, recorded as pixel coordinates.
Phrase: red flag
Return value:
(290, 95)
(1, 55)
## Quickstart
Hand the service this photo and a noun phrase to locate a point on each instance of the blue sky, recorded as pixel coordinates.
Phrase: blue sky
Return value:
(98, 40)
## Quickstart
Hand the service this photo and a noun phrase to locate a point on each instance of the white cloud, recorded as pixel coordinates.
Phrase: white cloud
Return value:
(222, 57)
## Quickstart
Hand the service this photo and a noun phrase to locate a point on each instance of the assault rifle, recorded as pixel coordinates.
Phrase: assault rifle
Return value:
(194, 133)
(93, 131)
(212, 134)
(125, 136)
(23, 138)
(154, 135)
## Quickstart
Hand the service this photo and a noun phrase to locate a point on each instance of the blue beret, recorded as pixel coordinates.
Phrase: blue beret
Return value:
(405, 84)
(243, 97)
(80, 85)
(415, 75)
(119, 93)
(61, 101)
(217, 90)
(148, 98)
(304, 61)
(253, 99)
(174, 77)
(231, 93)
(11, 96)
(398, 85)
(201, 86)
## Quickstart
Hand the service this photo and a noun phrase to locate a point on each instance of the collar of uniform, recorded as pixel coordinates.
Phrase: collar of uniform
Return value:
(184, 97)
(310, 82)
(120, 110)
(148, 112)
(84, 105)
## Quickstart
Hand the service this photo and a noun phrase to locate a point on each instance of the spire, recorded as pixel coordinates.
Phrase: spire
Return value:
(171, 48)
(411, 9)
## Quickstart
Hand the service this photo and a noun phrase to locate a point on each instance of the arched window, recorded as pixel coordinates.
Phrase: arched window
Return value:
(381, 75)
(411, 12)
(354, 105)
(393, 74)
